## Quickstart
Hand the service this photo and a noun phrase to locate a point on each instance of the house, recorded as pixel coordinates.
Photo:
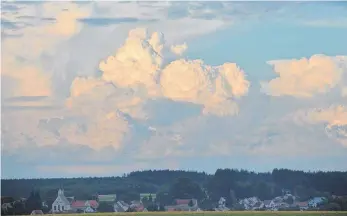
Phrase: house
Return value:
(61, 204)
(184, 205)
(36, 212)
(268, 203)
(250, 203)
(137, 206)
(120, 206)
(148, 195)
(84, 205)
(89, 209)
(302, 205)
(258, 205)
(283, 205)
(221, 205)
(316, 201)
(110, 198)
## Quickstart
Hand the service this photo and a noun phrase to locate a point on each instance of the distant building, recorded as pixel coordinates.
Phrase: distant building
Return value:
(36, 212)
(316, 201)
(267, 203)
(221, 205)
(84, 205)
(251, 203)
(110, 198)
(148, 195)
(302, 205)
(61, 204)
(120, 206)
(183, 205)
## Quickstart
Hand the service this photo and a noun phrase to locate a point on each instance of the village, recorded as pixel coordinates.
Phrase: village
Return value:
(63, 204)
(177, 191)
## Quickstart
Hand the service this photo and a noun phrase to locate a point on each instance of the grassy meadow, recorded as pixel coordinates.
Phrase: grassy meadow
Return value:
(233, 213)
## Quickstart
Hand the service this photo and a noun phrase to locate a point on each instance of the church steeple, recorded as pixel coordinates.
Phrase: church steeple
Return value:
(60, 192)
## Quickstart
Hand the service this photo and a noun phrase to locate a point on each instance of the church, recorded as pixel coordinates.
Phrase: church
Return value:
(61, 203)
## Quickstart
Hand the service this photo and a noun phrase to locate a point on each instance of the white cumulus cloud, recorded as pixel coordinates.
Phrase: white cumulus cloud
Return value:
(213, 87)
(333, 118)
(137, 68)
(305, 77)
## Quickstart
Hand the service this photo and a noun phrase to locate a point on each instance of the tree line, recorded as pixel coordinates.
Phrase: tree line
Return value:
(169, 185)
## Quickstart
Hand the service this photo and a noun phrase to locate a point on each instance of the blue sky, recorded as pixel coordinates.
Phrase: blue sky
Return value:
(91, 90)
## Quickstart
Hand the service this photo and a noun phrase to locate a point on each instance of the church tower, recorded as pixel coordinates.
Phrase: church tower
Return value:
(60, 192)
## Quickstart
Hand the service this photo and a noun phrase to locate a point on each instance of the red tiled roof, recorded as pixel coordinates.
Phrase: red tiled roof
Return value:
(182, 201)
(93, 203)
(78, 203)
(82, 203)
(139, 208)
(302, 204)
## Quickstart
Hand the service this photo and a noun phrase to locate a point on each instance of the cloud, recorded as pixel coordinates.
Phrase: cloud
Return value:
(330, 23)
(136, 63)
(96, 131)
(179, 49)
(138, 66)
(304, 77)
(334, 119)
(344, 91)
(39, 37)
(20, 128)
(213, 87)
(74, 88)
(28, 80)
(66, 21)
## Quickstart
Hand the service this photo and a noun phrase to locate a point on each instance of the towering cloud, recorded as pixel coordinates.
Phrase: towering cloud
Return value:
(306, 77)
(213, 87)
(136, 63)
(137, 67)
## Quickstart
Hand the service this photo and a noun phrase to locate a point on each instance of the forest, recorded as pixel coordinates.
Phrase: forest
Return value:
(167, 184)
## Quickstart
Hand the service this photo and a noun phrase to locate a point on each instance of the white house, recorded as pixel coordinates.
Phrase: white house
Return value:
(250, 203)
(316, 201)
(221, 205)
(61, 204)
(120, 206)
(88, 208)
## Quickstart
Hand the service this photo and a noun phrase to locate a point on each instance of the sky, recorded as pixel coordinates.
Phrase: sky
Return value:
(105, 88)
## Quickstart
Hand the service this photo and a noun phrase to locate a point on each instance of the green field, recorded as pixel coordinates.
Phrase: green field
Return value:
(234, 213)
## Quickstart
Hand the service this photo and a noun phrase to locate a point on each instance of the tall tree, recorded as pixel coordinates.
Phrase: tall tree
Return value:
(34, 201)
(185, 188)
(164, 198)
(105, 207)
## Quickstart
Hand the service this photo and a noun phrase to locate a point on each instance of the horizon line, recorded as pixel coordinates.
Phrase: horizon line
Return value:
(178, 170)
